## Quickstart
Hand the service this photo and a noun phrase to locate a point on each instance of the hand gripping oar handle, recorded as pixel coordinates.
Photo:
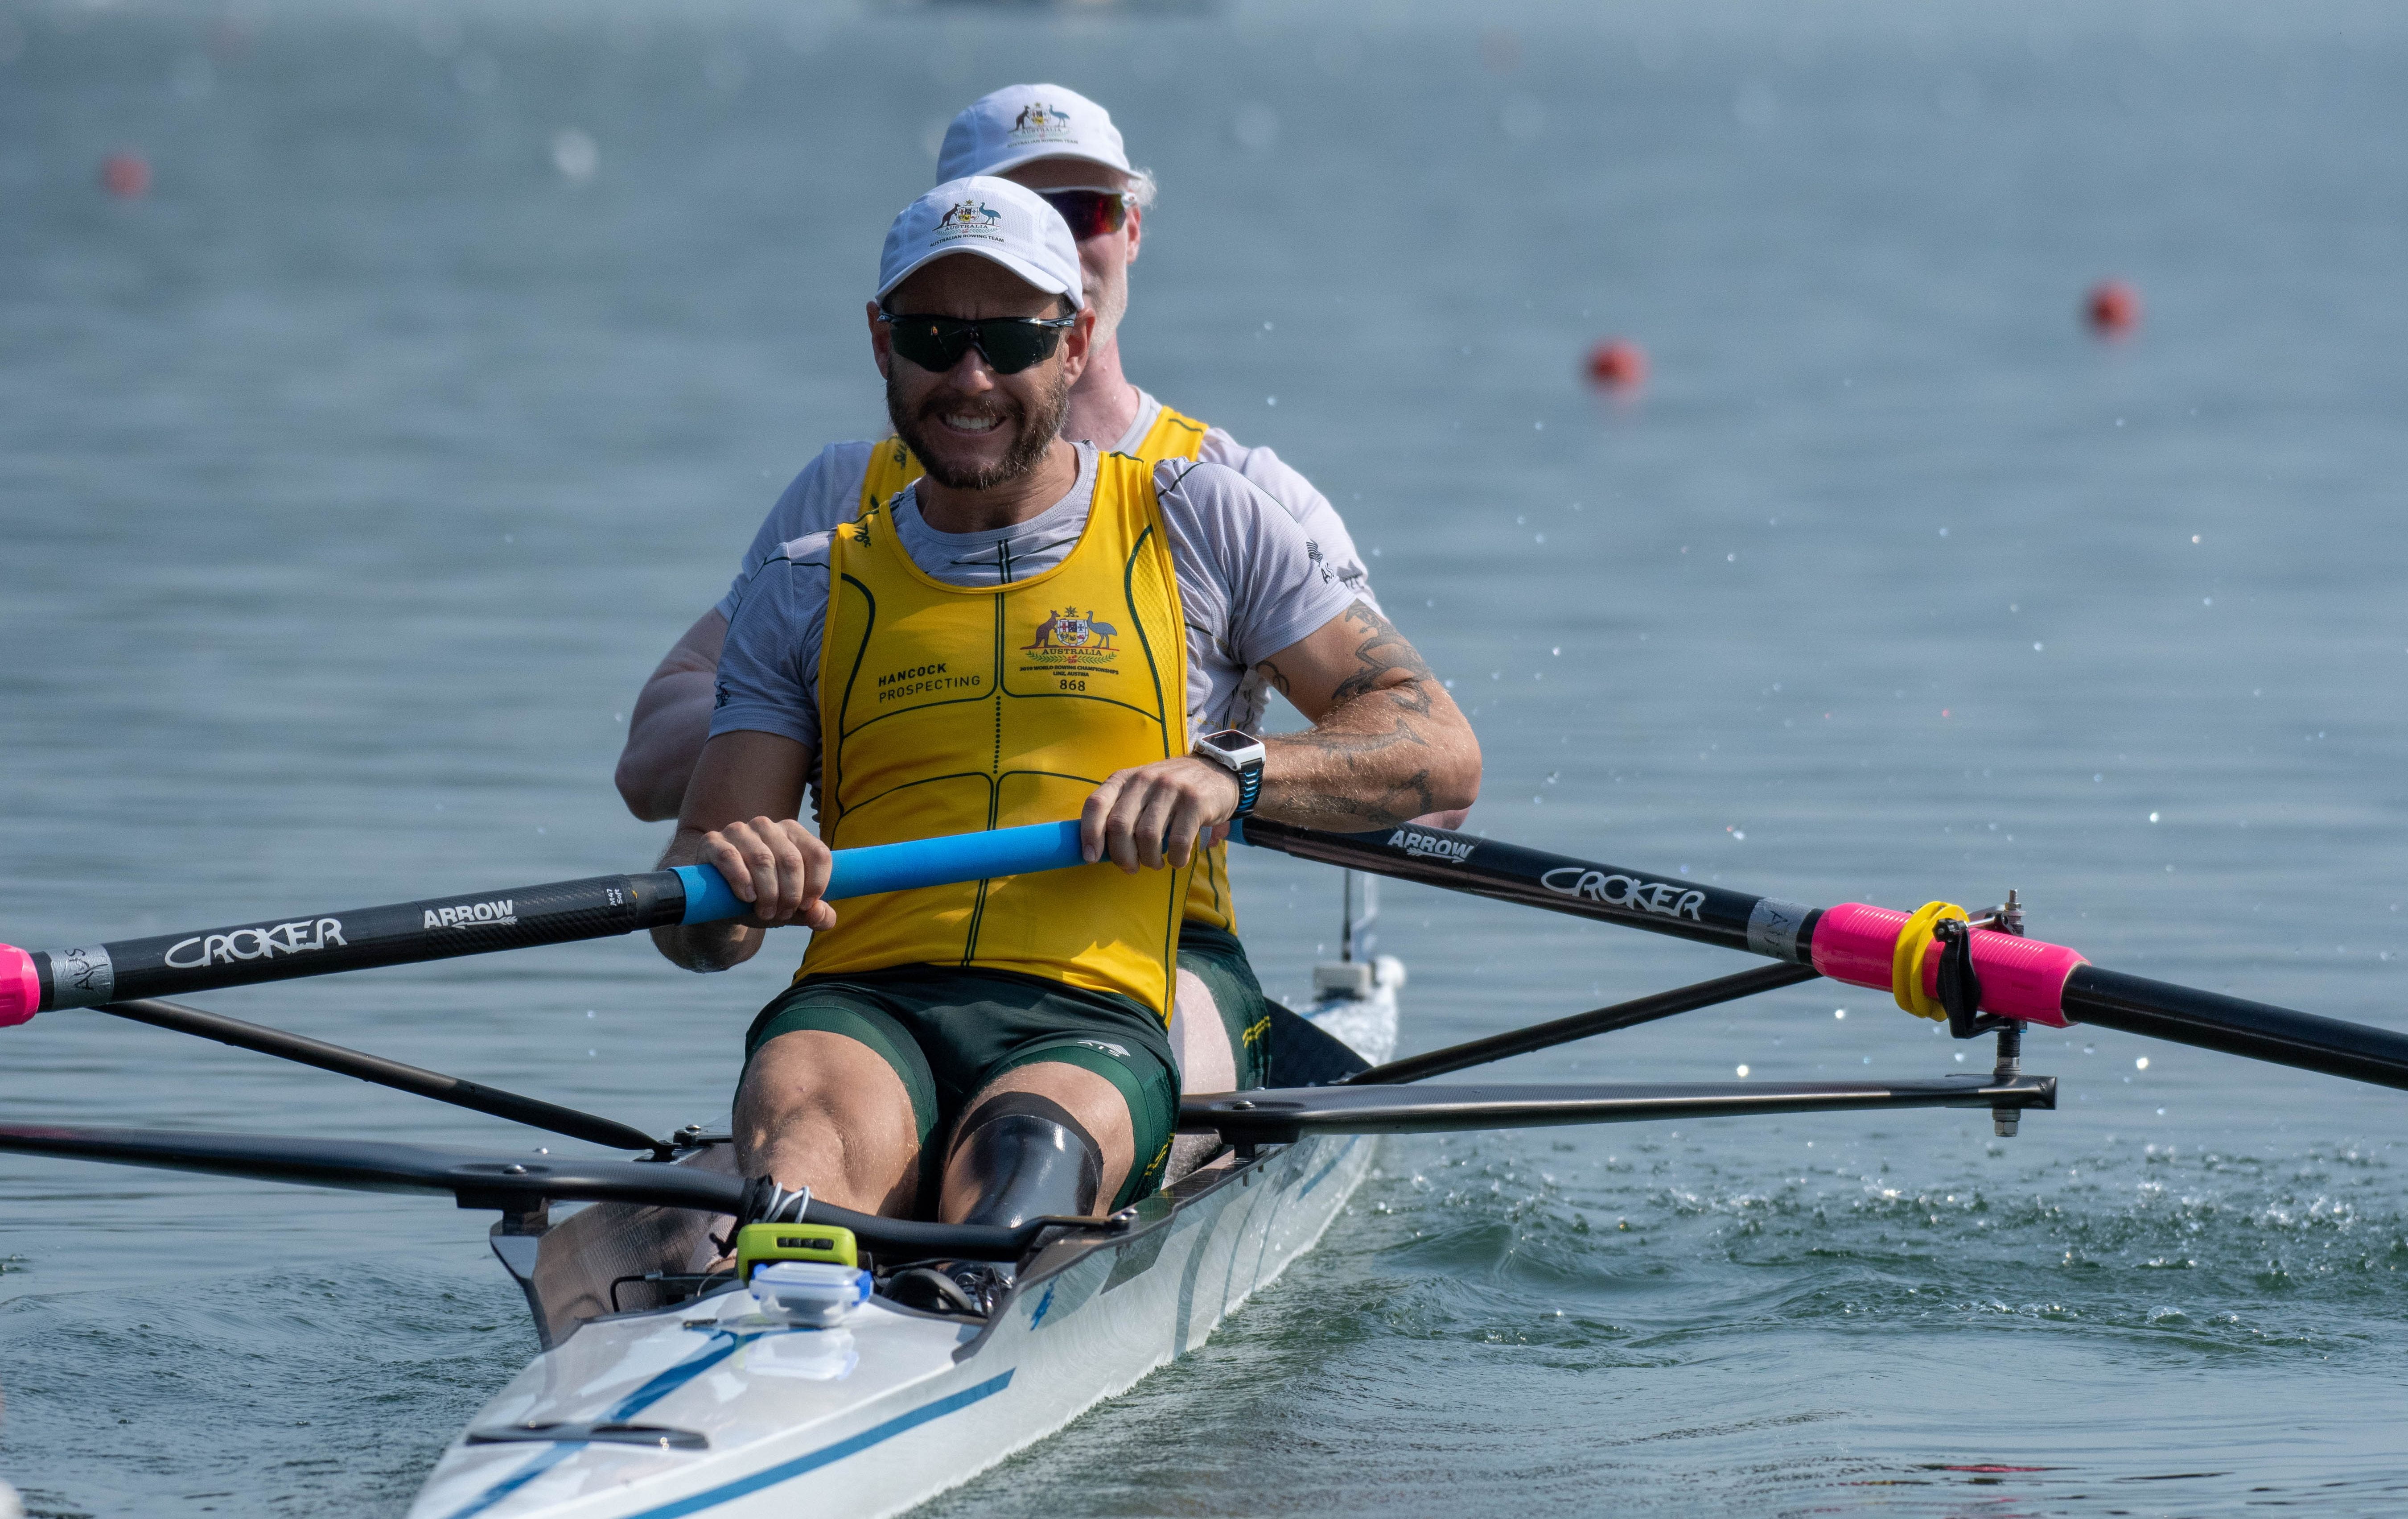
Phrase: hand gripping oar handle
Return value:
(475, 923)
(903, 867)
(2022, 979)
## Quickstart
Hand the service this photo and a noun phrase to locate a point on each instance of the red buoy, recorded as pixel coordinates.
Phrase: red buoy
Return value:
(126, 175)
(1618, 363)
(2113, 308)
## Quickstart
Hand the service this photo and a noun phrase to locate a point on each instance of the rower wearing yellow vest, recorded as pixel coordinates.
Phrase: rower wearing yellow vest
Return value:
(997, 1051)
(1064, 146)
(1168, 436)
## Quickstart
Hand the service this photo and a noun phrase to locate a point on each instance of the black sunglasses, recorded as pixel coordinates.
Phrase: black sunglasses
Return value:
(1009, 343)
(1091, 214)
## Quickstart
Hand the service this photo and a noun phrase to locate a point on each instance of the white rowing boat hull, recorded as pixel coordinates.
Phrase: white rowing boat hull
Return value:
(760, 1417)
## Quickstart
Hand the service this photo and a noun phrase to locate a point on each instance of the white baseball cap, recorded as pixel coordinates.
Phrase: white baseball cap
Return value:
(1023, 123)
(994, 219)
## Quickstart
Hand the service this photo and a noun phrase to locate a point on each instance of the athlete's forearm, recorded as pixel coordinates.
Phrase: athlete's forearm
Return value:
(670, 723)
(739, 815)
(1383, 758)
(1390, 744)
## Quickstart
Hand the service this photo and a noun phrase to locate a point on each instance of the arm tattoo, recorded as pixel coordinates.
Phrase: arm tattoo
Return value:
(1385, 661)
(1389, 701)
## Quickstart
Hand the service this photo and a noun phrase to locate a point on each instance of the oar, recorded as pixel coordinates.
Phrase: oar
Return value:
(2020, 978)
(480, 922)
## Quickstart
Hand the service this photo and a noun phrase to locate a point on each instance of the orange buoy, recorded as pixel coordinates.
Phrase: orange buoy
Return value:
(124, 175)
(2112, 309)
(1618, 363)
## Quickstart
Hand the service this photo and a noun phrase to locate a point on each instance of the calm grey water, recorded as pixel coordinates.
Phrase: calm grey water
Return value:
(351, 479)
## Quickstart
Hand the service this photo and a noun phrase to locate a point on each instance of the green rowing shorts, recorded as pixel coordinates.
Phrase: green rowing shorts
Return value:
(949, 1031)
(1214, 957)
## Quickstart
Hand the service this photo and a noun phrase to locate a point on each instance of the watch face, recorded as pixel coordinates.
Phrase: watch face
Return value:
(1230, 740)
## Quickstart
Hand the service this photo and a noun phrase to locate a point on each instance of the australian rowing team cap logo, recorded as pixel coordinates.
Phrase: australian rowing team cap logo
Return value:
(968, 218)
(1038, 122)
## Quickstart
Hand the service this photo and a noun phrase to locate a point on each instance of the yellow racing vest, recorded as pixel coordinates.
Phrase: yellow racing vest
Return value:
(892, 467)
(952, 709)
(1173, 436)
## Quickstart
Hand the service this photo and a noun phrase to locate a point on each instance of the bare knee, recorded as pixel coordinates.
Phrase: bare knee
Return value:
(819, 1111)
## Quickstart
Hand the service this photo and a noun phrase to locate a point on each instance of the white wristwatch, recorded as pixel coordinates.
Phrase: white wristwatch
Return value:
(1242, 755)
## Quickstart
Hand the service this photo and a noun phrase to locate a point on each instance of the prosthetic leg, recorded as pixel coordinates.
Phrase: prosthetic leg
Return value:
(1028, 1158)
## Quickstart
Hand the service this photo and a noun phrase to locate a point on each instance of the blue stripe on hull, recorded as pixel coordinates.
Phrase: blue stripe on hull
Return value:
(827, 1455)
(685, 1371)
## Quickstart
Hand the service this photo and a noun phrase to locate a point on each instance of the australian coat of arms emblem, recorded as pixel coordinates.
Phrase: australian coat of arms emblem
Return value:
(1070, 638)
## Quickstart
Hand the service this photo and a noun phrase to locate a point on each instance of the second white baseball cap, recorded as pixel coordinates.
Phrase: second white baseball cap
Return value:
(994, 219)
(1023, 123)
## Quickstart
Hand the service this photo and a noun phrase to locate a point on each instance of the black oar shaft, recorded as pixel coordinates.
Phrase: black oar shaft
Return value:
(2021, 979)
(478, 923)
(532, 1111)
(1622, 1015)
(361, 938)
(2184, 1015)
(1682, 909)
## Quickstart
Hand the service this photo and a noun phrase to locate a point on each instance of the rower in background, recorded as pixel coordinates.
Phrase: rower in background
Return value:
(1001, 1048)
(1065, 147)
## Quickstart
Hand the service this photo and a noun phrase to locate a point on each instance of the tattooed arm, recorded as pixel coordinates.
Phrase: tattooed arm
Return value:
(1387, 745)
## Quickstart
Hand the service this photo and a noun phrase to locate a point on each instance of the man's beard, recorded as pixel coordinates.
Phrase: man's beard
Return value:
(1035, 434)
(1109, 304)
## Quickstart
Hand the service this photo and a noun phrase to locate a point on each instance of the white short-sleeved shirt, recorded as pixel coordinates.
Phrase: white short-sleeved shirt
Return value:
(1250, 585)
(828, 492)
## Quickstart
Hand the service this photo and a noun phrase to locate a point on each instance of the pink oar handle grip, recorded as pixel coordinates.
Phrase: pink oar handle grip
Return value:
(21, 987)
(2021, 979)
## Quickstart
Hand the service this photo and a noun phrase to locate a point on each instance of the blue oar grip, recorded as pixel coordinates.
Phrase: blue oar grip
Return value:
(902, 867)
(707, 897)
(962, 857)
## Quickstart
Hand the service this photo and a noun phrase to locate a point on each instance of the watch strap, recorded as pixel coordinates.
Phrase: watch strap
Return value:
(1250, 787)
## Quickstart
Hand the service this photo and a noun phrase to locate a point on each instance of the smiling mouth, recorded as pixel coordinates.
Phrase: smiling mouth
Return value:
(971, 422)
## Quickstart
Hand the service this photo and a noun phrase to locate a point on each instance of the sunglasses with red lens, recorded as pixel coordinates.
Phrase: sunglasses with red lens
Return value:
(1092, 213)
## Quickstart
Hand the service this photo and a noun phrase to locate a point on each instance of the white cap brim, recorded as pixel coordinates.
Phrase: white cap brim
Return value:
(1029, 274)
(1037, 153)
